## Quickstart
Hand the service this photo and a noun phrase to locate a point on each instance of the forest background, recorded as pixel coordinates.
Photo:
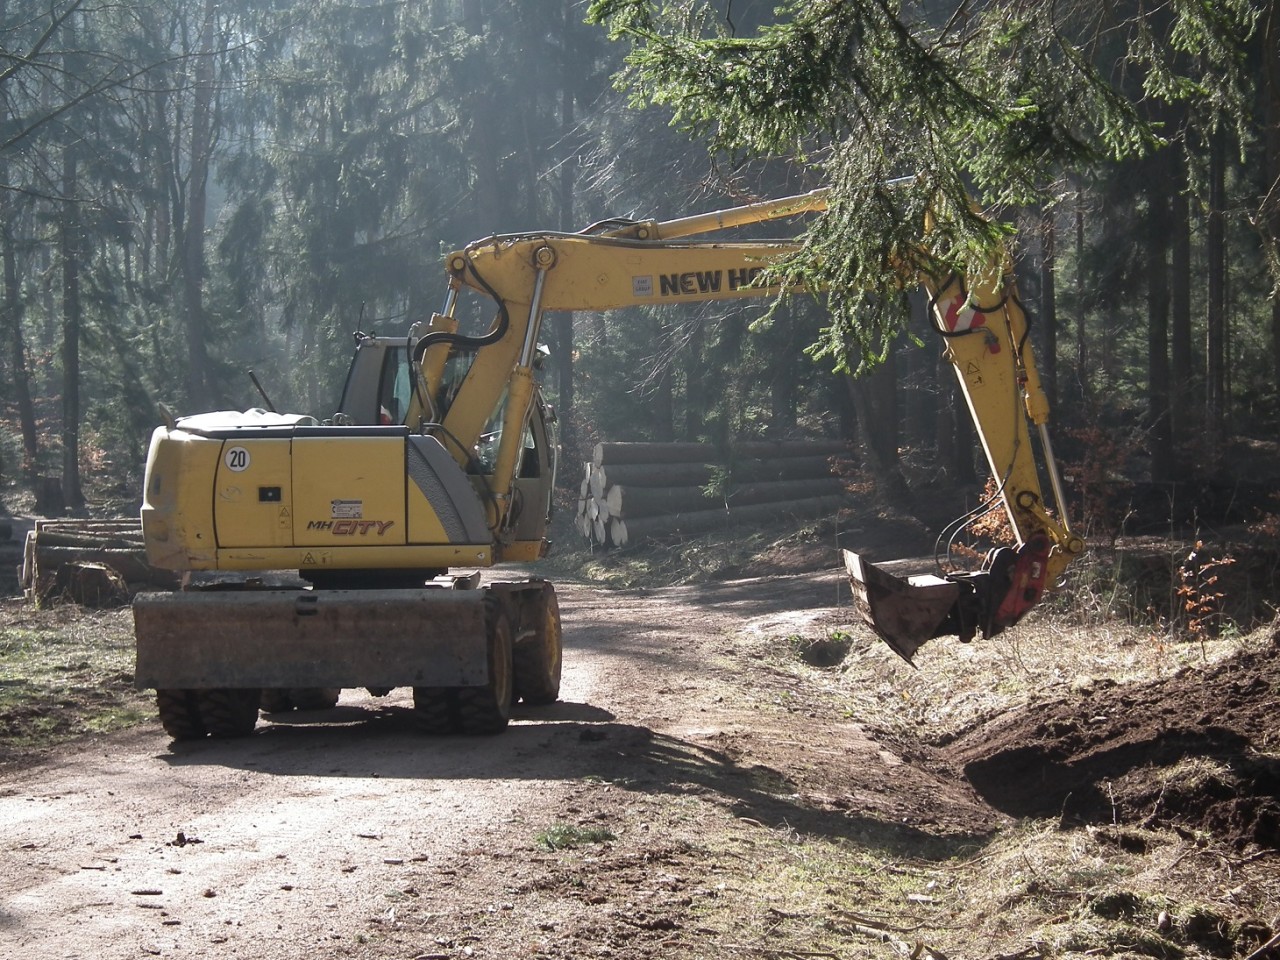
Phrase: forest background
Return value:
(191, 189)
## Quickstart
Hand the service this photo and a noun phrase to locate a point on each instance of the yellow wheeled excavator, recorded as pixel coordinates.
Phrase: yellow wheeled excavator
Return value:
(441, 457)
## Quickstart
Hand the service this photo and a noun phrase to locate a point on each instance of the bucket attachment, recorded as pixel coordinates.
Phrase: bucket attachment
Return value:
(908, 612)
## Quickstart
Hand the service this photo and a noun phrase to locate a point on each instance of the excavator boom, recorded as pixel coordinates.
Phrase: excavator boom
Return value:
(980, 321)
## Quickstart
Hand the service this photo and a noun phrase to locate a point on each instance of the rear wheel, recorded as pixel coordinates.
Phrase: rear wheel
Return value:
(228, 713)
(180, 714)
(487, 709)
(538, 655)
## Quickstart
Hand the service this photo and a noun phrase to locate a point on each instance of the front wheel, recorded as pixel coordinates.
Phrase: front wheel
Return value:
(229, 713)
(538, 656)
(483, 709)
(180, 714)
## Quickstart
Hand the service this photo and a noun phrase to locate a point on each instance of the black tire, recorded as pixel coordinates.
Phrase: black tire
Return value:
(229, 713)
(487, 709)
(180, 714)
(474, 710)
(538, 657)
(433, 709)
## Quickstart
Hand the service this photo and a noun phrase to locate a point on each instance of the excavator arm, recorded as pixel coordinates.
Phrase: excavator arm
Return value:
(985, 332)
(633, 263)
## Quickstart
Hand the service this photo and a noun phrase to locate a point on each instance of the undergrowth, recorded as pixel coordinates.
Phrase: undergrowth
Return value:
(64, 672)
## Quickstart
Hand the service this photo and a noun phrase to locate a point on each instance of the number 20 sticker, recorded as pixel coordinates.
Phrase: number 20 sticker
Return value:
(237, 459)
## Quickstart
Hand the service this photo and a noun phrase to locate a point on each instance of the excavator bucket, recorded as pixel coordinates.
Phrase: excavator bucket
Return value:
(904, 612)
(908, 612)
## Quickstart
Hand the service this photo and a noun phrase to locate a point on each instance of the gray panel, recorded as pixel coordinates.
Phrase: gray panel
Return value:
(304, 638)
(447, 489)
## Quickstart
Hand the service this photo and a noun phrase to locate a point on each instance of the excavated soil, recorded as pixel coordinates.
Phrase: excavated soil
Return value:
(1199, 751)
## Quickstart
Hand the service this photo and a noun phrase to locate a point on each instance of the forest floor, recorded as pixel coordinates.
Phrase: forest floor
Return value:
(735, 768)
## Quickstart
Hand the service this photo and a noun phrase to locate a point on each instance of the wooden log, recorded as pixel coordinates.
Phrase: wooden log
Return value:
(86, 583)
(124, 526)
(781, 449)
(600, 530)
(701, 521)
(631, 502)
(784, 491)
(118, 539)
(654, 474)
(619, 453)
(596, 482)
(129, 563)
(632, 475)
(788, 468)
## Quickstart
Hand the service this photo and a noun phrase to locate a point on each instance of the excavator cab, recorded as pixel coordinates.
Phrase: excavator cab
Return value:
(380, 389)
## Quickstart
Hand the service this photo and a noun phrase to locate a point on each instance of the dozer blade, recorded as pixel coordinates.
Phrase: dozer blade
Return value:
(304, 638)
(906, 613)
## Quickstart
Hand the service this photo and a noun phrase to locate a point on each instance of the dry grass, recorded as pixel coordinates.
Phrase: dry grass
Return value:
(64, 671)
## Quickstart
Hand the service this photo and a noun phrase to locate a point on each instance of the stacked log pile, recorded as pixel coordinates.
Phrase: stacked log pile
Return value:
(631, 492)
(98, 563)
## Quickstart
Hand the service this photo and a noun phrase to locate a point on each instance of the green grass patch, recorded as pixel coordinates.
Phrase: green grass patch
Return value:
(566, 836)
(64, 672)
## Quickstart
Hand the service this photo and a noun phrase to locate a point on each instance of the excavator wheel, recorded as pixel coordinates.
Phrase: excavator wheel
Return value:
(228, 713)
(301, 698)
(474, 710)
(538, 655)
(180, 714)
(433, 709)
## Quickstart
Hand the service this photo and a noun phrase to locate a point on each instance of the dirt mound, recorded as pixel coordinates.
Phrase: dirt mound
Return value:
(1197, 751)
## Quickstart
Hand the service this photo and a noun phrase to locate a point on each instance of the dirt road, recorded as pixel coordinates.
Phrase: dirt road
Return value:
(665, 807)
(357, 836)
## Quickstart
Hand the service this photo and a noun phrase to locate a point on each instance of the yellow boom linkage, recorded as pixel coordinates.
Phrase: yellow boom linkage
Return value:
(982, 323)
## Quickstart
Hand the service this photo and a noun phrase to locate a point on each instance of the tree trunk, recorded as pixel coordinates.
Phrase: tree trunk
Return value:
(664, 402)
(562, 323)
(695, 390)
(875, 404)
(199, 374)
(69, 241)
(1049, 305)
(1270, 212)
(1180, 366)
(1082, 341)
(1216, 306)
(1158, 435)
(920, 383)
(13, 336)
